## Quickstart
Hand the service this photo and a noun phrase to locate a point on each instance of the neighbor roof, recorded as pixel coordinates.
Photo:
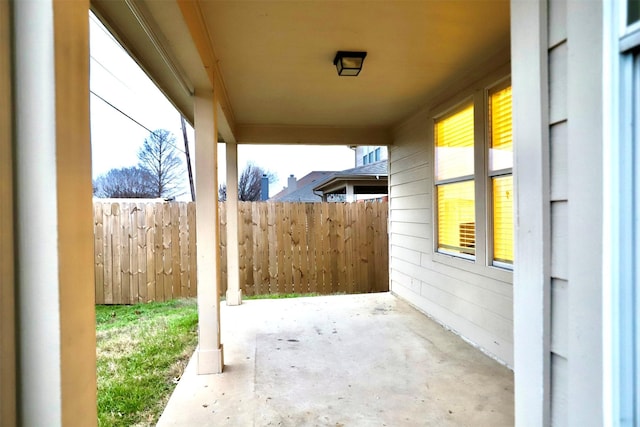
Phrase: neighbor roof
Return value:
(370, 172)
(304, 190)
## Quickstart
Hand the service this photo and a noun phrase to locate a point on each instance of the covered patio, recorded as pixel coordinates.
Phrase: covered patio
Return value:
(554, 299)
(346, 360)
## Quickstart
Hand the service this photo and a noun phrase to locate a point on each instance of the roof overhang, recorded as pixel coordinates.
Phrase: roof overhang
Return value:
(337, 183)
(270, 66)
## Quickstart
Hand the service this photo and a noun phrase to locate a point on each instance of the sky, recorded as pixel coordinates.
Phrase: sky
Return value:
(117, 83)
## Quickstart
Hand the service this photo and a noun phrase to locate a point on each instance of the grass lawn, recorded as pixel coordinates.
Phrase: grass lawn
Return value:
(141, 353)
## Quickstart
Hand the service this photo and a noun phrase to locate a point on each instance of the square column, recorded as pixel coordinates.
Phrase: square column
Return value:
(349, 190)
(53, 223)
(234, 293)
(209, 352)
(532, 275)
(7, 261)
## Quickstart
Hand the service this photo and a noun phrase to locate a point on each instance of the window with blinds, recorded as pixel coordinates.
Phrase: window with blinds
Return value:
(454, 145)
(455, 185)
(501, 173)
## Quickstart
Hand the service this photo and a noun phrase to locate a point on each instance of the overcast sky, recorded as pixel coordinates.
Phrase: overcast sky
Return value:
(115, 138)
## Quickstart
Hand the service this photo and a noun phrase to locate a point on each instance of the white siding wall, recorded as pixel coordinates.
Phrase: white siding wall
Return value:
(558, 118)
(575, 118)
(474, 302)
(584, 212)
(364, 150)
(558, 146)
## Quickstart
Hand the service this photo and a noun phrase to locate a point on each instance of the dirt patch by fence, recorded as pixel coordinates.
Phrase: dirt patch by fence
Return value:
(147, 251)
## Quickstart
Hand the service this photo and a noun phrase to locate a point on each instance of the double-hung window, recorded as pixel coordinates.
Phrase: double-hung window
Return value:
(469, 167)
(501, 174)
(455, 194)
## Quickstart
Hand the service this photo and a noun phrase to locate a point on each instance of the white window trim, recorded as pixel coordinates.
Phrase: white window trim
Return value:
(482, 263)
(621, 191)
(453, 110)
(489, 174)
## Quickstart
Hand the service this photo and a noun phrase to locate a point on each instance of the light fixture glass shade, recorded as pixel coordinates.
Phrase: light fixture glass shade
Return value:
(349, 63)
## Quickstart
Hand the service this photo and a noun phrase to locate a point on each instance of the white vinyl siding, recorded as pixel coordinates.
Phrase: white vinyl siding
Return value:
(584, 211)
(558, 104)
(475, 303)
(558, 146)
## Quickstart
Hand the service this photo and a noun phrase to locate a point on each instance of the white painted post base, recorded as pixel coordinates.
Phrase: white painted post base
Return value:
(210, 361)
(234, 296)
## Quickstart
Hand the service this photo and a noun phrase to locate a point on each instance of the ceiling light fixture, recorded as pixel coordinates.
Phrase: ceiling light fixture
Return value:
(349, 63)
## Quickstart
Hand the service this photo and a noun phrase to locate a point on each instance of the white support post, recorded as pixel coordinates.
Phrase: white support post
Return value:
(209, 353)
(585, 255)
(234, 293)
(53, 225)
(350, 193)
(531, 277)
(7, 224)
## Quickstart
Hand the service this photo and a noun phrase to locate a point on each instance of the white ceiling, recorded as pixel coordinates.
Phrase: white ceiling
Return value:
(275, 57)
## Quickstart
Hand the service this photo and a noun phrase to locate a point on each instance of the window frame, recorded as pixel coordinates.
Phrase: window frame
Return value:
(500, 85)
(483, 262)
(622, 203)
(459, 107)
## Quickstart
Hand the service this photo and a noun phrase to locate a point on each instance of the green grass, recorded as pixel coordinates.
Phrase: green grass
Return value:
(141, 352)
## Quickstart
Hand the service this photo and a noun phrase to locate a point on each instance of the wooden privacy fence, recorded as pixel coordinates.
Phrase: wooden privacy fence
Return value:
(323, 248)
(147, 251)
(144, 251)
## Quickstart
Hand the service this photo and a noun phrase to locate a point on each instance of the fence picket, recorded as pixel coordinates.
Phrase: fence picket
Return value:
(125, 252)
(312, 224)
(166, 250)
(158, 249)
(150, 209)
(263, 240)
(191, 216)
(273, 247)
(98, 231)
(141, 253)
(175, 250)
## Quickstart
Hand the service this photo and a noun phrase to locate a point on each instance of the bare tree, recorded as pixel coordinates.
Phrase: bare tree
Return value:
(249, 185)
(132, 182)
(222, 193)
(158, 157)
(250, 182)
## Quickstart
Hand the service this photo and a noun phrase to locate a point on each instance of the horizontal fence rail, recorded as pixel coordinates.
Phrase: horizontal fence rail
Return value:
(147, 251)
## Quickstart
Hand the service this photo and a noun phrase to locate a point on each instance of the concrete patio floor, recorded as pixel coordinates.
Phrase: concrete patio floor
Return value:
(349, 360)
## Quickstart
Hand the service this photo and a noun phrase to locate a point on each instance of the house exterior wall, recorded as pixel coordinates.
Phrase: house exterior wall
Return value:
(585, 183)
(366, 154)
(473, 300)
(556, 49)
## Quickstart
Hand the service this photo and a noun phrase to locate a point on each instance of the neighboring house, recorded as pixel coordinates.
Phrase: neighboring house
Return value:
(363, 182)
(301, 190)
(523, 240)
(359, 183)
(366, 154)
